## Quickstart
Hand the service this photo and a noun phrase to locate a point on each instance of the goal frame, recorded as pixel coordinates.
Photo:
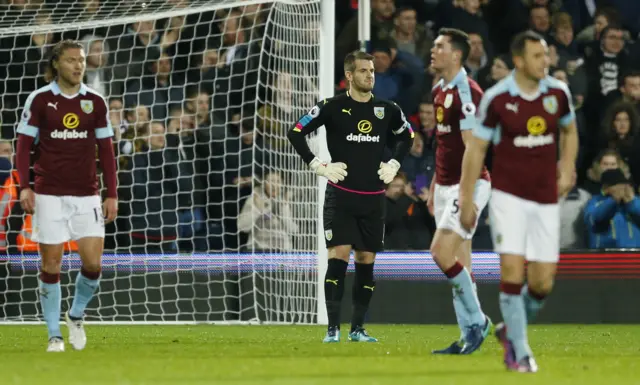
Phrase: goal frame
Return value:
(326, 79)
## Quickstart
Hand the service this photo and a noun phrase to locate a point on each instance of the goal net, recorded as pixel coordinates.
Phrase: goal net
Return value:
(217, 214)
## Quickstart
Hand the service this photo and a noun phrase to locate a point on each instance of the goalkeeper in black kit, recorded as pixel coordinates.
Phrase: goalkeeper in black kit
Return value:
(359, 127)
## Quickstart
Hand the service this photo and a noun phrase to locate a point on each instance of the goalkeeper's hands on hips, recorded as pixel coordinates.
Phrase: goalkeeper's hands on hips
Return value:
(110, 209)
(388, 170)
(335, 172)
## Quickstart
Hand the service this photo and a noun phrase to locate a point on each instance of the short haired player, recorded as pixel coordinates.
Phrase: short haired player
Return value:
(359, 127)
(523, 115)
(455, 98)
(63, 123)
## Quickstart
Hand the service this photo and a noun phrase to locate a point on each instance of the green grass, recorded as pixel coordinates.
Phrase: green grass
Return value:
(158, 355)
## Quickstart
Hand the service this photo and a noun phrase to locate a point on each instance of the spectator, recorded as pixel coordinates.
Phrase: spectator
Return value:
(131, 51)
(116, 118)
(419, 164)
(427, 121)
(156, 89)
(604, 67)
(500, 69)
(408, 225)
(572, 228)
(602, 18)
(608, 159)
(411, 38)
(154, 182)
(381, 25)
(477, 58)
(630, 89)
(468, 18)
(613, 216)
(97, 74)
(621, 133)
(540, 20)
(399, 82)
(266, 217)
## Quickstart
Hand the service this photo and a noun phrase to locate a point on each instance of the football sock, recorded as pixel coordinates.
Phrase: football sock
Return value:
(334, 289)
(50, 301)
(363, 286)
(86, 284)
(461, 312)
(515, 317)
(533, 302)
(460, 279)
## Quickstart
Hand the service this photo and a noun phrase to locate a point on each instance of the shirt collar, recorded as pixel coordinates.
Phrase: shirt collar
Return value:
(55, 88)
(514, 90)
(457, 80)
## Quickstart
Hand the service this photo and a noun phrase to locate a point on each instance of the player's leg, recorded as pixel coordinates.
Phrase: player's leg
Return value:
(363, 288)
(542, 254)
(464, 257)
(445, 246)
(509, 226)
(370, 227)
(50, 230)
(50, 293)
(334, 288)
(87, 227)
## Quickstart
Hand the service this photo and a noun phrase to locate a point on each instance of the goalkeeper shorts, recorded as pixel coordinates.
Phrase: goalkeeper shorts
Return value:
(354, 219)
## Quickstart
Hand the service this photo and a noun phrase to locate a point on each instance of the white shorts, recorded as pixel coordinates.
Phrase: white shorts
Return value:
(58, 219)
(447, 211)
(523, 227)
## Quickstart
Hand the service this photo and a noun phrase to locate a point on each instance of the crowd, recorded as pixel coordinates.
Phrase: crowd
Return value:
(200, 129)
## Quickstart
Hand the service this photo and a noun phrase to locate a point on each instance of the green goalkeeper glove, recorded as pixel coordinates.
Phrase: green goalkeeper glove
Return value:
(335, 172)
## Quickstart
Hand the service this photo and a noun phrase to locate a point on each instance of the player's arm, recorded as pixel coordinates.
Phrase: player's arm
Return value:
(307, 124)
(469, 100)
(483, 133)
(104, 133)
(28, 131)
(401, 128)
(569, 145)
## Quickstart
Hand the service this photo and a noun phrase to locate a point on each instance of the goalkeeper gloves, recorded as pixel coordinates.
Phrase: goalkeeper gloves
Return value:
(335, 172)
(388, 170)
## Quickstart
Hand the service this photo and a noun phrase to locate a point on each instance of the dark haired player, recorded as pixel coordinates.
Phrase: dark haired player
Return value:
(455, 98)
(64, 122)
(522, 115)
(359, 127)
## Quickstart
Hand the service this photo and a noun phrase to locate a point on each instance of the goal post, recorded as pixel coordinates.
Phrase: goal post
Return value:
(220, 221)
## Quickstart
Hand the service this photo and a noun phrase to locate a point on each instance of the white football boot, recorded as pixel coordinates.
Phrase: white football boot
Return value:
(77, 336)
(56, 345)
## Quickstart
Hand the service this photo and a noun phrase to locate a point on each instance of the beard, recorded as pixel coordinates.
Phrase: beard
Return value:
(362, 87)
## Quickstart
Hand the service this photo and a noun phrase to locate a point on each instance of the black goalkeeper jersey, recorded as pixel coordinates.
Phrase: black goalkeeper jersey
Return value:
(357, 134)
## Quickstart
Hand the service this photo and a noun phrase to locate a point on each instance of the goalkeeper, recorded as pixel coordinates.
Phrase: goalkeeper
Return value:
(359, 126)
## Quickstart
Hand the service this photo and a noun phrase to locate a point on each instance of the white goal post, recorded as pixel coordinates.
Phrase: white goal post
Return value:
(220, 220)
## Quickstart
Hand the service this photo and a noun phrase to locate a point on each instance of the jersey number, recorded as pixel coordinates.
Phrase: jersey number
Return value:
(456, 208)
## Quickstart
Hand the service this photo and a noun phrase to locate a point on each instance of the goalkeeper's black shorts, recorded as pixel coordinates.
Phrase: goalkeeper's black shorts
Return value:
(354, 219)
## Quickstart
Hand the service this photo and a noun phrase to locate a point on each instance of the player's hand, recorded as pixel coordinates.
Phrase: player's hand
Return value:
(28, 200)
(429, 200)
(388, 171)
(566, 181)
(110, 209)
(468, 214)
(335, 172)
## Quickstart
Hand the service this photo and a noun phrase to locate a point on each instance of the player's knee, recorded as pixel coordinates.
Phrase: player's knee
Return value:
(364, 257)
(91, 267)
(542, 286)
(51, 265)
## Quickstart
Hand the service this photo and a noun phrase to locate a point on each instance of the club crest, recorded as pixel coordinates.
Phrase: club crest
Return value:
(328, 234)
(550, 104)
(378, 112)
(87, 106)
(448, 100)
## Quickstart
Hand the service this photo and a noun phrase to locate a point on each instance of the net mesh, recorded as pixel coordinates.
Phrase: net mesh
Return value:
(217, 214)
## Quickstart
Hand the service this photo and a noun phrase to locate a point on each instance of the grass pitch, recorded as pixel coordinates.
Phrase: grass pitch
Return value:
(158, 355)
